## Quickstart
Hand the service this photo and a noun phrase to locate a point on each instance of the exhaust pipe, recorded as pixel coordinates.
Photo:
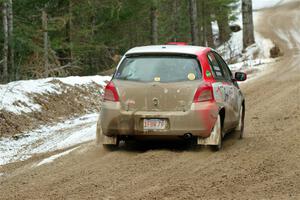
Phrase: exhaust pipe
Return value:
(187, 136)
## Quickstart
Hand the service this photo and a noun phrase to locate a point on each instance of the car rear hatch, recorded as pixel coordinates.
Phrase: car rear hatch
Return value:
(155, 96)
(157, 82)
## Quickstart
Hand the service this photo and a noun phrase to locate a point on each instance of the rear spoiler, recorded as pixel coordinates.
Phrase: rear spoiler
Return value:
(178, 43)
(159, 54)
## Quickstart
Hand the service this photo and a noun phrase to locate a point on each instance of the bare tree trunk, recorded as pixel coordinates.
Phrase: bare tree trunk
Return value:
(5, 43)
(193, 22)
(154, 25)
(45, 38)
(13, 71)
(248, 30)
(175, 20)
(69, 32)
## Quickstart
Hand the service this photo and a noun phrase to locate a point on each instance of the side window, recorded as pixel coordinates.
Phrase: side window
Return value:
(224, 67)
(216, 69)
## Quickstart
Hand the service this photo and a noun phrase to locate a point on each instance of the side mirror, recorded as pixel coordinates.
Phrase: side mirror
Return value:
(240, 76)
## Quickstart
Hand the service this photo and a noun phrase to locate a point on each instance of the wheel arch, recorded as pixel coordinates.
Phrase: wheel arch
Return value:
(243, 106)
(222, 113)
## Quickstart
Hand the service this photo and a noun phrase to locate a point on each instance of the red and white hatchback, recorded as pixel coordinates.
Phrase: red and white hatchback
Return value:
(172, 91)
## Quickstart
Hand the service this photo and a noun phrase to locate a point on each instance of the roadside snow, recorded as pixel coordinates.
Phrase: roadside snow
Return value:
(15, 96)
(264, 45)
(84, 80)
(56, 156)
(261, 4)
(48, 138)
(253, 68)
(233, 48)
(250, 64)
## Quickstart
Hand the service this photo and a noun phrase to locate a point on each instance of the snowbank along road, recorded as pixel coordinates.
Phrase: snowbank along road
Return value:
(265, 165)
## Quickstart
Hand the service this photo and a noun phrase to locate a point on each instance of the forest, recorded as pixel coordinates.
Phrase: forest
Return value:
(45, 38)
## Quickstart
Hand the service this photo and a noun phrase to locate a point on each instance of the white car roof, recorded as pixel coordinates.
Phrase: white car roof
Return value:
(180, 49)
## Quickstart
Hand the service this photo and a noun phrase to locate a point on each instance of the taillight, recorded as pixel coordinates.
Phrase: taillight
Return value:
(204, 93)
(111, 93)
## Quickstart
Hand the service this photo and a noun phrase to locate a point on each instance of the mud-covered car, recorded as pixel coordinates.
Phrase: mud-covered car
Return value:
(172, 91)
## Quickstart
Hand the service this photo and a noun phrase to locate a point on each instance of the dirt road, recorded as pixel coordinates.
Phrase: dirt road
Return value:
(265, 165)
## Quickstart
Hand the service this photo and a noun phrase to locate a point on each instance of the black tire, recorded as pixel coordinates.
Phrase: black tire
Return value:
(110, 147)
(240, 128)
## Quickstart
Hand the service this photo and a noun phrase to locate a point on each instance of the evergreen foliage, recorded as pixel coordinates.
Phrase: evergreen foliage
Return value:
(87, 37)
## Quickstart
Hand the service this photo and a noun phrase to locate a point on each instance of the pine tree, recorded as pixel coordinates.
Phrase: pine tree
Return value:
(84, 37)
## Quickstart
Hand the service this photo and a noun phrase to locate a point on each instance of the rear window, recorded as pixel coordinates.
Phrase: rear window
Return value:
(159, 69)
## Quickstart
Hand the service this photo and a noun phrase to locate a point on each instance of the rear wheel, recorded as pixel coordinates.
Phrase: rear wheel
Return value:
(217, 131)
(110, 147)
(240, 128)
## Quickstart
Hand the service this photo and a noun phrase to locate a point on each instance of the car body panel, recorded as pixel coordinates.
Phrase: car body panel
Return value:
(198, 121)
(166, 49)
(156, 96)
(172, 102)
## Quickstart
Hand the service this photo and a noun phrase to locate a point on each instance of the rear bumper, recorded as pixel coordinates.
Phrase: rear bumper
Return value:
(198, 121)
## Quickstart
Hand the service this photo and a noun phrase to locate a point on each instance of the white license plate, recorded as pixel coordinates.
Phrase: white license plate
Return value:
(155, 124)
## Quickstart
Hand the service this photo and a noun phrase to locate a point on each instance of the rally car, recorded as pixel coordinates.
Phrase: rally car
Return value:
(167, 91)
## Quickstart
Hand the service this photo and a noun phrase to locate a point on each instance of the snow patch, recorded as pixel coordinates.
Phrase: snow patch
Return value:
(261, 4)
(54, 157)
(250, 64)
(48, 138)
(16, 97)
(264, 45)
(253, 68)
(84, 80)
(232, 50)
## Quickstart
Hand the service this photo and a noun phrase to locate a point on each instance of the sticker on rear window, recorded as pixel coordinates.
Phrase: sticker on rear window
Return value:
(208, 74)
(191, 76)
(156, 79)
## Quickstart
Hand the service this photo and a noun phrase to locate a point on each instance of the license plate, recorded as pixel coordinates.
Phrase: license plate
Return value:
(155, 124)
